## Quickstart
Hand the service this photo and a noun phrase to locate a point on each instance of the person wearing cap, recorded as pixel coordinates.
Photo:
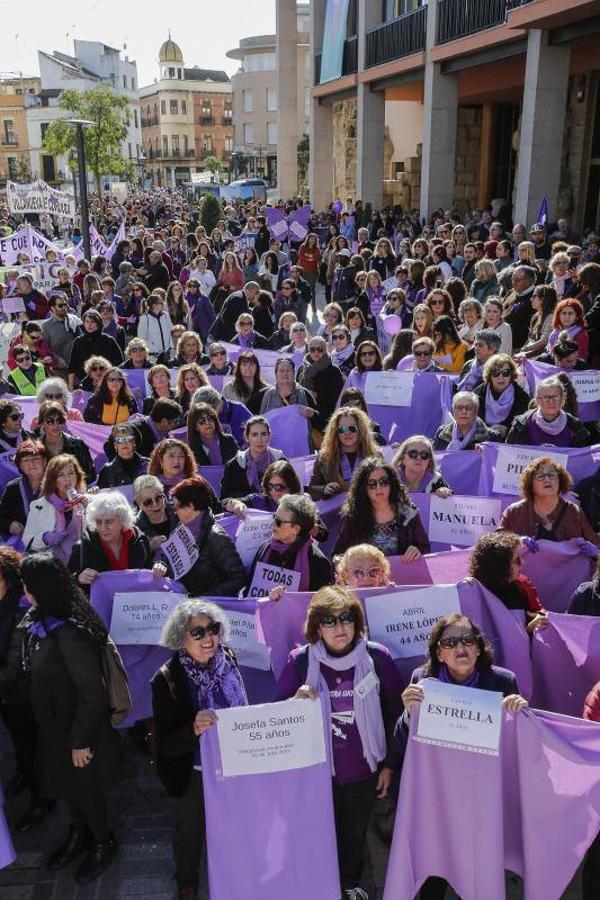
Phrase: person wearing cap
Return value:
(538, 238)
(128, 463)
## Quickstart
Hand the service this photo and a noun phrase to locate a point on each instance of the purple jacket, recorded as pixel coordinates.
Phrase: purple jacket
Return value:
(203, 315)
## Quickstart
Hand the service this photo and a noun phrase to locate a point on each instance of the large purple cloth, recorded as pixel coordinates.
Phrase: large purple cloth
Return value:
(556, 571)
(29, 408)
(448, 567)
(582, 461)
(277, 828)
(461, 469)
(430, 400)
(141, 662)
(566, 662)
(537, 371)
(7, 851)
(94, 436)
(137, 380)
(8, 470)
(276, 222)
(298, 223)
(289, 431)
(214, 476)
(542, 792)
(80, 400)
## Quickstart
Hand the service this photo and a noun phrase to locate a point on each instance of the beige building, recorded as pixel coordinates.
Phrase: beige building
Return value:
(15, 95)
(259, 104)
(186, 116)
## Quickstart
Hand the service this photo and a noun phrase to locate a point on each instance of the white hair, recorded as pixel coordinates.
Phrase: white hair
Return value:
(110, 503)
(176, 626)
(466, 397)
(54, 385)
(145, 481)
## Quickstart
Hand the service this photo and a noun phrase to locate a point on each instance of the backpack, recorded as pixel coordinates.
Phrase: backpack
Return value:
(117, 683)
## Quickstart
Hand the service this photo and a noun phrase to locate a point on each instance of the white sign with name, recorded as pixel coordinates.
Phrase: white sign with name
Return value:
(272, 737)
(180, 551)
(39, 197)
(511, 461)
(587, 386)
(461, 520)
(403, 620)
(12, 305)
(138, 618)
(242, 639)
(267, 577)
(389, 388)
(251, 534)
(457, 716)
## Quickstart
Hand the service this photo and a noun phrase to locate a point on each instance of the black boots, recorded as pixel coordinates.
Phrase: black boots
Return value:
(98, 859)
(77, 841)
(38, 811)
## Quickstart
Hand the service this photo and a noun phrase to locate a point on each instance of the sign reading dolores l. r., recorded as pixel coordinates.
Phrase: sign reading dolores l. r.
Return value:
(460, 717)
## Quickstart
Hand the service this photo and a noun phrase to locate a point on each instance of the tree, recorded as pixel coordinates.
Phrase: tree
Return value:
(21, 170)
(110, 112)
(212, 164)
(212, 211)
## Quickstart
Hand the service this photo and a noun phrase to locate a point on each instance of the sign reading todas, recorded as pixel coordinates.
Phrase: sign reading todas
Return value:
(511, 461)
(38, 197)
(243, 641)
(461, 520)
(403, 621)
(458, 716)
(267, 577)
(138, 618)
(389, 388)
(273, 737)
(180, 551)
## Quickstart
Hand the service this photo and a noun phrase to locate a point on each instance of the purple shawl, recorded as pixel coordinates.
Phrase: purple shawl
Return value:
(497, 410)
(220, 676)
(445, 676)
(300, 562)
(458, 443)
(256, 467)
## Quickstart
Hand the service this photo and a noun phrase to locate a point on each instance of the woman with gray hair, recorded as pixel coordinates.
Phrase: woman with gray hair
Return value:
(291, 546)
(202, 676)
(56, 389)
(548, 423)
(466, 429)
(110, 541)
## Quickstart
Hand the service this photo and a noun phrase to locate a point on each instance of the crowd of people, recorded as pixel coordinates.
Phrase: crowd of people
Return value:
(175, 353)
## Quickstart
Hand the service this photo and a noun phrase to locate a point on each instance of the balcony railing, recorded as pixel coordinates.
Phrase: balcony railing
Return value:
(398, 38)
(350, 58)
(10, 142)
(207, 120)
(190, 152)
(459, 18)
(146, 123)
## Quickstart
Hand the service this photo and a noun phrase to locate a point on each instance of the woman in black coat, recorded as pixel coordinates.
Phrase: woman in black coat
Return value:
(30, 460)
(206, 438)
(78, 750)
(127, 464)
(500, 397)
(92, 343)
(322, 378)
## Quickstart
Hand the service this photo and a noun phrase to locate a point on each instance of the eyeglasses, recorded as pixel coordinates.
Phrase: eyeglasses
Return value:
(54, 420)
(153, 501)
(124, 439)
(137, 349)
(383, 481)
(540, 476)
(421, 352)
(16, 417)
(345, 618)
(113, 379)
(338, 337)
(317, 349)
(549, 398)
(437, 302)
(218, 353)
(418, 454)
(53, 396)
(35, 337)
(464, 409)
(23, 357)
(343, 429)
(204, 420)
(367, 353)
(276, 486)
(373, 572)
(501, 373)
(286, 288)
(279, 521)
(60, 306)
(451, 643)
(98, 369)
(200, 631)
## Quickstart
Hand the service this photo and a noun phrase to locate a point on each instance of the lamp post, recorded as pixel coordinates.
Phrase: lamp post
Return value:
(79, 125)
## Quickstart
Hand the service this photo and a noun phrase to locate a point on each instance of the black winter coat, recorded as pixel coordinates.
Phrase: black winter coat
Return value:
(223, 328)
(94, 344)
(218, 571)
(78, 448)
(11, 506)
(235, 481)
(519, 431)
(113, 474)
(93, 409)
(320, 568)
(520, 405)
(326, 386)
(227, 443)
(87, 553)
(586, 599)
(588, 491)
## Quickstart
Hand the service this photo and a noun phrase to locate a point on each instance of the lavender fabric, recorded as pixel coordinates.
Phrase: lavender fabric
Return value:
(7, 851)
(556, 570)
(219, 678)
(136, 379)
(94, 436)
(301, 217)
(461, 469)
(289, 431)
(537, 371)
(140, 662)
(276, 222)
(583, 461)
(214, 476)
(423, 503)
(566, 662)
(430, 399)
(8, 470)
(80, 400)
(280, 838)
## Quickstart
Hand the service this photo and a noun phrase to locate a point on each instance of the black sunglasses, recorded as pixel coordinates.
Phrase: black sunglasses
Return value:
(345, 618)
(451, 643)
(279, 522)
(383, 481)
(201, 631)
(417, 454)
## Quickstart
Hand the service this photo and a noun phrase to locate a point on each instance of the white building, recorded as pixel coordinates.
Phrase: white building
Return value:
(93, 64)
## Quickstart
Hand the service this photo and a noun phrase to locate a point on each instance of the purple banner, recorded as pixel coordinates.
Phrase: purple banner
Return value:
(80, 400)
(580, 462)
(585, 382)
(137, 381)
(430, 399)
(289, 431)
(298, 223)
(276, 222)
(566, 663)
(8, 470)
(461, 469)
(94, 437)
(556, 571)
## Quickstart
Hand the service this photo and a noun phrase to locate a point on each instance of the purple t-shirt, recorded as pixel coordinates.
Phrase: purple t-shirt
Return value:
(539, 437)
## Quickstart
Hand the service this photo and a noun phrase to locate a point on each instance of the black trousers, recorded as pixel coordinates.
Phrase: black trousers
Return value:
(22, 728)
(433, 889)
(352, 806)
(189, 836)
(90, 811)
(591, 871)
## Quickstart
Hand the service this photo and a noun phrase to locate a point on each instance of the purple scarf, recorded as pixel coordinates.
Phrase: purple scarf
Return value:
(214, 451)
(445, 676)
(376, 300)
(42, 627)
(220, 676)
(27, 495)
(553, 428)
(340, 356)
(458, 443)
(425, 480)
(256, 468)
(300, 563)
(171, 480)
(497, 410)
(246, 340)
(346, 469)
(60, 507)
(367, 709)
(553, 336)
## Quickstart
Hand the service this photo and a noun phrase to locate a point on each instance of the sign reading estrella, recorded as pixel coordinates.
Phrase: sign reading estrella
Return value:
(457, 716)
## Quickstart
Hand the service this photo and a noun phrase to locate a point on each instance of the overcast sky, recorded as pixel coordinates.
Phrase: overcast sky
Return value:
(204, 29)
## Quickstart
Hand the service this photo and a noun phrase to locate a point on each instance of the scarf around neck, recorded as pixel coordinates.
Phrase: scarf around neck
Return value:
(246, 340)
(340, 356)
(310, 369)
(219, 680)
(367, 709)
(213, 449)
(556, 426)
(458, 443)
(497, 410)
(445, 676)
(424, 483)
(346, 467)
(299, 549)
(256, 467)
(553, 337)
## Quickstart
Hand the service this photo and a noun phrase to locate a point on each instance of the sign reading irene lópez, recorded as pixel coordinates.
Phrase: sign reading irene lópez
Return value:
(460, 717)
(461, 520)
(138, 618)
(511, 461)
(403, 620)
(272, 737)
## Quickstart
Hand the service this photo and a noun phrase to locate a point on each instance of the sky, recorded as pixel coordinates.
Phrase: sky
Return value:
(204, 30)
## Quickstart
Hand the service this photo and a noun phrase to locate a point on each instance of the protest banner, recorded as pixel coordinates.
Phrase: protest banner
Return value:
(276, 223)
(389, 388)
(245, 241)
(38, 197)
(565, 662)
(502, 464)
(461, 717)
(586, 384)
(267, 577)
(243, 640)
(139, 618)
(556, 570)
(403, 620)
(252, 533)
(180, 551)
(512, 459)
(13, 244)
(461, 469)
(461, 520)
(13, 305)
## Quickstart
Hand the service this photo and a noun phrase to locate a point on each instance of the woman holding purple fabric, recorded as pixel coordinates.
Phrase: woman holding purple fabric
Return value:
(202, 676)
(548, 423)
(206, 438)
(335, 661)
(244, 472)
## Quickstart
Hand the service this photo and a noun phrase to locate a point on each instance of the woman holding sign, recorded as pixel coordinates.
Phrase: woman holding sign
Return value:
(202, 676)
(359, 688)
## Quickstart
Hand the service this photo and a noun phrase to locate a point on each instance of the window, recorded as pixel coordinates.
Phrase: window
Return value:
(125, 81)
(248, 133)
(271, 132)
(175, 144)
(13, 169)
(171, 73)
(130, 150)
(395, 8)
(165, 145)
(184, 107)
(173, 107)
(185, 144)
(44, 128)
(135, 118)
(163, 107)
(248, 99)
(229, 145)
(260, 62)
(9, 132)
(271, 99)
(132, 83)
(228, 112)
(207, 143)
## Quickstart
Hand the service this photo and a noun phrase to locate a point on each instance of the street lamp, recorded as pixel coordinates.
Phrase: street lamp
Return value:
(79, 125)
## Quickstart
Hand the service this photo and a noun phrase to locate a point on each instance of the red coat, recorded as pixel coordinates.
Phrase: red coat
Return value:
(43, 350)
(591, 706)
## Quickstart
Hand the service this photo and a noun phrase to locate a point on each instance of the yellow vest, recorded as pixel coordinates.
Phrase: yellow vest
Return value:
(22, 382)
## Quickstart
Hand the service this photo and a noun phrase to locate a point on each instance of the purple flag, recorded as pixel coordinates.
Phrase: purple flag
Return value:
(141, 662)
(289, 431)
(566, 663)
(94, 436)
(298, 223)
(557, 570)
(425, 413)
(503, 463)
(461, 469)
(448, 567)
(276, 222)
(586, 384)
(80, 399)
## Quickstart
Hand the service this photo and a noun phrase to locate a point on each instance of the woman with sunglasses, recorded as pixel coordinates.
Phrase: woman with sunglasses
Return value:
(346, 442)
(126, 464)
(189, 378)
(206, 438)
(280, 479)
(112, 401)
(322, 378)
(243, 474)
(363, 566)
(342, 350)
(500, 397)
(32, 339)
(336, 658)
(200, 677)
(415, 464)
(52, 422)
(368, 359)
(95, 368)
(332, 316)
(450, 351)
(155, 516)
(247, 386)
(136, 355)
(379, 511)
(12, 433)
(219, 364)
(56, 389)
(218, 570)
(292, 546)
(30, 460)
(27, 376)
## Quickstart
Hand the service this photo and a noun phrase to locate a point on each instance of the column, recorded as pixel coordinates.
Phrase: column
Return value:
(320, 162)
(370, 116)
(542, 126)
(287, 99)
(440, 102)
